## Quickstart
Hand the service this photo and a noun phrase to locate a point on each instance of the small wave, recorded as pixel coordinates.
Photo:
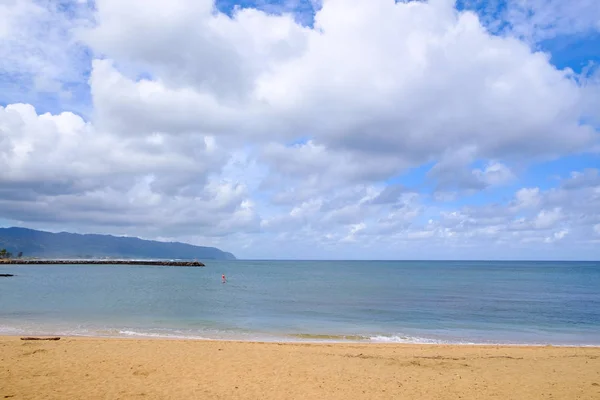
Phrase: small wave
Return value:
(9, 331)
(371, 338)
(410, 340)
(313, 336)
(252, 336)
(160, 335)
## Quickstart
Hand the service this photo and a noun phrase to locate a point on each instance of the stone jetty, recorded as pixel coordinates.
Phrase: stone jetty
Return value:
(106, 262)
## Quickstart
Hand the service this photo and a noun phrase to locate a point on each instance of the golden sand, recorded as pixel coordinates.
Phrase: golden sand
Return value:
(96, 368)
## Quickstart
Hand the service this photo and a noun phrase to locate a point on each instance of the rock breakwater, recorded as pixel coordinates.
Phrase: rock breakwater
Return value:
(106, 262)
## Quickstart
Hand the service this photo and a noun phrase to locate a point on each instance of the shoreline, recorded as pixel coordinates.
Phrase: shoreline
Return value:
(292, 340)
(153, 368)
(298, 343)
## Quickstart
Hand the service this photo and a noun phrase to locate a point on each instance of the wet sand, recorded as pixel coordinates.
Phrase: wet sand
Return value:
(98, 368)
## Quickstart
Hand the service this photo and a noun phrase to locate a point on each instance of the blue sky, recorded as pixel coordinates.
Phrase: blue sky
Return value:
(254, 132)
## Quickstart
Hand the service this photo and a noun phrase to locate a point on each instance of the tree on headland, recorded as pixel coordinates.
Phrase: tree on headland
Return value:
(20, 254)
(5, 254)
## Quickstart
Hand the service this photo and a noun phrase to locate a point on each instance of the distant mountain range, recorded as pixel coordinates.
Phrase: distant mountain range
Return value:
(72, 245)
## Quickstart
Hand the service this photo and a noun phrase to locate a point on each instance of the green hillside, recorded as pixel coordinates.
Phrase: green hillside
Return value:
(71, 245)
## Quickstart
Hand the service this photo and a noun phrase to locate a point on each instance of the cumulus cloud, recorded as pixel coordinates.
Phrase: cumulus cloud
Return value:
(39, 54)
(557, 236)
(580, 179)
(537, 20)
(60, 168)
(436, 85)
(258, 130)
(433, 70)
(452, 172)
(542, 19)
(547, 218)
(65, 148)
(527, 198)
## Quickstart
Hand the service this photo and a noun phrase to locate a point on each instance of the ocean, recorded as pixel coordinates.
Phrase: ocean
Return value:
(464, 302)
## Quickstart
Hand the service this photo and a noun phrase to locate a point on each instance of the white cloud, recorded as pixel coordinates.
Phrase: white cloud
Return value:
(527, 198)
(542, 19)
(452, 172)
(259, 133)
(548, 218)
(557, 236)
(432, 71)
(38, 52)
(353, 232)
(435, 86)
(495, 173)
(588, 178)
(537, 20)
(65, 147)
(60, 168)
(187, 44)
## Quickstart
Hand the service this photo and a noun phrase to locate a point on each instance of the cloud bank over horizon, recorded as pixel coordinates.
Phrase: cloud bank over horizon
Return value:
(303, 129)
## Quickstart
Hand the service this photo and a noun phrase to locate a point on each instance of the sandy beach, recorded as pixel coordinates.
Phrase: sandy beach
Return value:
(98, 368)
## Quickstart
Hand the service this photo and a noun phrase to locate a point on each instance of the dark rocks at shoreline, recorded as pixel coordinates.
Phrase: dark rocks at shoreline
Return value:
(105, 262)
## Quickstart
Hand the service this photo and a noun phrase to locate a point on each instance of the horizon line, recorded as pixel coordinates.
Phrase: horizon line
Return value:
(410, 260)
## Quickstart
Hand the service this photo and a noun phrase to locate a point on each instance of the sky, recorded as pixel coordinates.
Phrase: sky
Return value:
(307, 129)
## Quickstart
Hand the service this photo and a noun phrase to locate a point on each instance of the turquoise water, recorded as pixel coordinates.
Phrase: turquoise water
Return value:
(379, 301)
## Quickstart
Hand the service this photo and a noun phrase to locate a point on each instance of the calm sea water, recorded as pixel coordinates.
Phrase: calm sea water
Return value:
(395, 301)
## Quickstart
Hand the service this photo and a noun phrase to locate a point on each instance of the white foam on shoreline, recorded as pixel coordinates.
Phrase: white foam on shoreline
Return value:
(411, 340)
(257, 337)
(161, 335)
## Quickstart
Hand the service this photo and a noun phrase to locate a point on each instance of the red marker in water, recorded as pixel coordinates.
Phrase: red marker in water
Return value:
(223, 278)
